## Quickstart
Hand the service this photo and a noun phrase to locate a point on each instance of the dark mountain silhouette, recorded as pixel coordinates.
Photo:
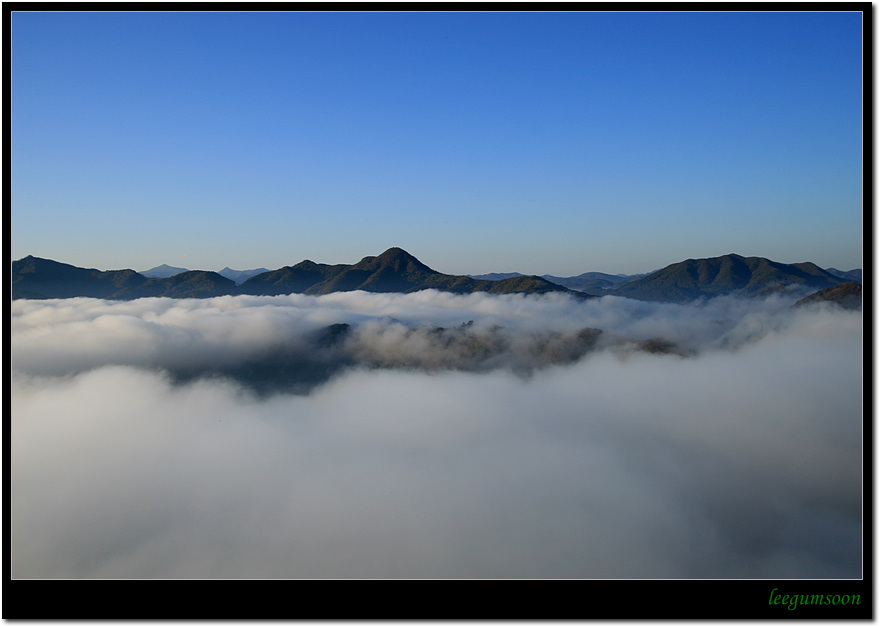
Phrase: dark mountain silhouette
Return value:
(190, 284)
(33, 277)
(731, 274)
(848, 275)
(593, 283)
(317, 356)
(847, 295)
(596, 283)
(162, 272)
(290, 279)
(495, 276)
(395, 270)
(528, 285)
(240, 276)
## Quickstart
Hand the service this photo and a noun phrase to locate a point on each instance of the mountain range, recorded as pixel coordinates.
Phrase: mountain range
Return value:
(395, 270)
(593, 283)
(163, 272)
(238, 276)
(849, 275)
(731, 274)
(695, 279)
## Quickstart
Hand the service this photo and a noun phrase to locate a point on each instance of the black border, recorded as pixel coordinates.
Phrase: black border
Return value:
(445, 599)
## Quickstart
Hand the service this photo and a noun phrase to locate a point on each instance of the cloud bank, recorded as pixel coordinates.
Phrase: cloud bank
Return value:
(515, 445)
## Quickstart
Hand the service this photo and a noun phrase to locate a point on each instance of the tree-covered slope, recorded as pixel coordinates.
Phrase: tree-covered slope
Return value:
(290, 279)
(730, 274)
(847, 295)
(190, 284)
(34, 277)
(395, 270)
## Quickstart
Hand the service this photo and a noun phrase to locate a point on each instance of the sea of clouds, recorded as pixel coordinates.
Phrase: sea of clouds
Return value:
(436, 436)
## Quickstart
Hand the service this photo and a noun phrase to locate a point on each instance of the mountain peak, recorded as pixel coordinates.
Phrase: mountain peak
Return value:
(396, 253)
(395, 259)
(395, 270)
(164, 271)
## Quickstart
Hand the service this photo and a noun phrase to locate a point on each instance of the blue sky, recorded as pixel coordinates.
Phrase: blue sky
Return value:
(554, 143)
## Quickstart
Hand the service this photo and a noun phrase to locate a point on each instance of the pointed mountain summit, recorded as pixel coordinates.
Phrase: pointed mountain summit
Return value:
(395, 270)
(395, 259)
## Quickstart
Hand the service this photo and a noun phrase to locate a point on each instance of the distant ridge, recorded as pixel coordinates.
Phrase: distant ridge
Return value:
(162, 272)
(240, 276)
(849, 275)
(597, 283)
(495, 276)
(189, 284)
(395, 270)
(33, 277)
(594, 283)
(730, 274)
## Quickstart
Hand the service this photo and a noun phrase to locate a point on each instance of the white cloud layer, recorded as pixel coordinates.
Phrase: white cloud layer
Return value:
(743, 460)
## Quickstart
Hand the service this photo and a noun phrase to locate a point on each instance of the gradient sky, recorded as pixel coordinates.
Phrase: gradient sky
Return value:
(554, 143)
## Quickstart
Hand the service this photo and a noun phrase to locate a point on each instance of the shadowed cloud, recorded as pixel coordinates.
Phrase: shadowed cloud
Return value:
(139, 449)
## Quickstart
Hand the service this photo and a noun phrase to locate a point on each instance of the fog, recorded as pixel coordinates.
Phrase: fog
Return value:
(435, 436)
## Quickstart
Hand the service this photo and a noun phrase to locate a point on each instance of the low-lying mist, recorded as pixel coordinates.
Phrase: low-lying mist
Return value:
(362, 435)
